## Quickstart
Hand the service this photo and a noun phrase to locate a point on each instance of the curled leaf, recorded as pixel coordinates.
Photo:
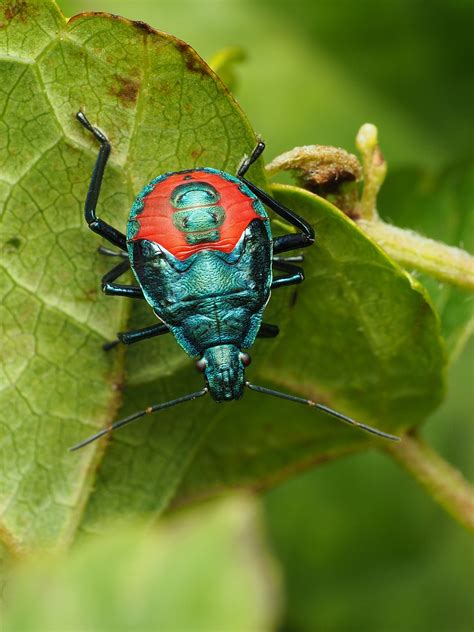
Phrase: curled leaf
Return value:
(224, 62)
(328, 171)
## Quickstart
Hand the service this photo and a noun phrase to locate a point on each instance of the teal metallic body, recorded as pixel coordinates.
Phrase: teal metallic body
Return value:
(212, 301)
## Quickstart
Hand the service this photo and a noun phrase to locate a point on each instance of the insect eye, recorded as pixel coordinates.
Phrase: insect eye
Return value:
(201, 365)
(245, 359)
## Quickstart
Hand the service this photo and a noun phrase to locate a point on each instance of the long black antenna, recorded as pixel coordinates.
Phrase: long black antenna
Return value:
(140, 413)
(330, 411)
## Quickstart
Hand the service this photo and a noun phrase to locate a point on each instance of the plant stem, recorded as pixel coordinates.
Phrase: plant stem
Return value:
(443, 482)
(374, 169)
(446, 263)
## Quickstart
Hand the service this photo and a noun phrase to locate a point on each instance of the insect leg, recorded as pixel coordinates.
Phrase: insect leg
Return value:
(268, 331)
(295, 259)
(115, 289)
(135, 335)
(112, 253)
(248, 160)
(293, 241)
(95, 223)
(286, 242)
(294, 274)
(283, 281)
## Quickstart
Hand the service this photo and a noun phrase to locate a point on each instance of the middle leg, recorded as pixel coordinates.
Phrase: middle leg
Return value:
(294, 274)
(292, 259)
(116, 289)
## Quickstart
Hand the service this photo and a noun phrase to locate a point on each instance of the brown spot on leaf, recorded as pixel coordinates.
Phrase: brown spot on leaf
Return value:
(18, 9)
(196, 153)
(97, 14)
(143, 26)
(126, 89)
(192, 60)
(13, 245)
(87, 296)
(165, 87)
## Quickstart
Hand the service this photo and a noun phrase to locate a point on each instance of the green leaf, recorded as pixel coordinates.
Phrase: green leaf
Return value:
(359, 335)
(162, 109)
(438, 206)
(198, 572)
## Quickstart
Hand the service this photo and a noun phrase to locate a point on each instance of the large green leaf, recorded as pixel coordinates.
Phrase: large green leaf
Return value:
(202, 572)
(163, 109)
(359, 334)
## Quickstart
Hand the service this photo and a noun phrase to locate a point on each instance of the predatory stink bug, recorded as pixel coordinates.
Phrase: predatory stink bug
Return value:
(200, 245)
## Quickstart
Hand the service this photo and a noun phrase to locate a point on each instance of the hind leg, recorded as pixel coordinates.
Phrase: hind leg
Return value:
(135, 335)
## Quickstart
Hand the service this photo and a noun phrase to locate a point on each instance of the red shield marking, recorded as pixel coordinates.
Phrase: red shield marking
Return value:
(156, 218)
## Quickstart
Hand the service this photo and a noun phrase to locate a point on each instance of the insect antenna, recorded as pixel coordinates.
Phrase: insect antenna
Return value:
(137, 415)
(326, 409)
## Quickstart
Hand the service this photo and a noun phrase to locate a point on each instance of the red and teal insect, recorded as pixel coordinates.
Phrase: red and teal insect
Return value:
(200, 245)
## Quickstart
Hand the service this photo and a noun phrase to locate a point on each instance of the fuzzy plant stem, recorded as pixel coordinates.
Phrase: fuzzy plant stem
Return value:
(413, 251)
(446, 263)
(441, 480)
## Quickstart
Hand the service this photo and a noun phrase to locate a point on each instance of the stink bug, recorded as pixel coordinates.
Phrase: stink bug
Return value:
(200, 245)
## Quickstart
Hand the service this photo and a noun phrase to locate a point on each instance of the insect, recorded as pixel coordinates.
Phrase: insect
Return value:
(200, 245)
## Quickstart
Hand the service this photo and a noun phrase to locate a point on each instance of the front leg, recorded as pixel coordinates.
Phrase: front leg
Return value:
(305, 237)
(294, 241)
(95, 223)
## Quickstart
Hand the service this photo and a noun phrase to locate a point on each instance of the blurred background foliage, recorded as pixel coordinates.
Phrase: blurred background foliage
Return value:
(204, 570)
(360, 545)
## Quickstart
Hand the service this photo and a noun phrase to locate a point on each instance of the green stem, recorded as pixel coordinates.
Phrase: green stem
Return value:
(443, 482)
(446, 263)
(374, 169)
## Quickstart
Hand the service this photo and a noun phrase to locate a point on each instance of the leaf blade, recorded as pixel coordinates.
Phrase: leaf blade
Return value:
(61, 385)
